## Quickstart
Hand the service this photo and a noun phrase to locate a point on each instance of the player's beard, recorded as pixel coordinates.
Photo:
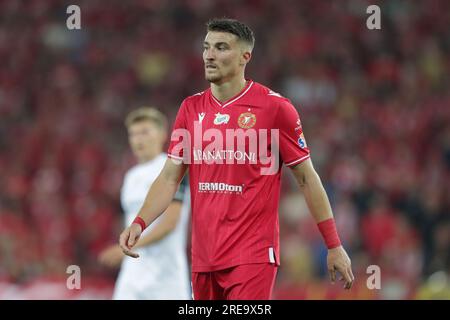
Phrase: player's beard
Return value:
(213, 78)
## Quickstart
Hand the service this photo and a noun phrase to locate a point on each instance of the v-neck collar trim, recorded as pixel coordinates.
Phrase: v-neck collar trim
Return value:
(235, 98)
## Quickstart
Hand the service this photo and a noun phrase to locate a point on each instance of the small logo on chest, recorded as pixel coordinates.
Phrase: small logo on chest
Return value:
(201, 116)
(246, 120)
(221, 118)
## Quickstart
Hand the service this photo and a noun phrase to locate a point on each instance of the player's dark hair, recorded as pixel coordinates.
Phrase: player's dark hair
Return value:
(239, 29)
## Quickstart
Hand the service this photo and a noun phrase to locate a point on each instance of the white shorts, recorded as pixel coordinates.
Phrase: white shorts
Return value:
(130, 290)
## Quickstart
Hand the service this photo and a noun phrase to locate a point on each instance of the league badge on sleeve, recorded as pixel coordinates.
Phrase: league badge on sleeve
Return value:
(301, 141)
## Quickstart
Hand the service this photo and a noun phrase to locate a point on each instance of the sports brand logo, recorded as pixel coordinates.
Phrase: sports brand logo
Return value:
(201, 116)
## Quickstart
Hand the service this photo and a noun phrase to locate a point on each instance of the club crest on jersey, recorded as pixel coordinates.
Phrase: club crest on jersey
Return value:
(246, 120)
(301, 141)
(221, 118)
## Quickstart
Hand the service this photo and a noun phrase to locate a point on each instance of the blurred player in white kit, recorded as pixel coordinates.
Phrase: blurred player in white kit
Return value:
(161, 272)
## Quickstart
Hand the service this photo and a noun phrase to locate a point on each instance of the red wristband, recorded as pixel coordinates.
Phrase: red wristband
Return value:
(329, 233)
(140, 222)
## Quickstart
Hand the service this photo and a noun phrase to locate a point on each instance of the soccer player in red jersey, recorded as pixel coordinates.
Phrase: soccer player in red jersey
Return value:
(233, 139)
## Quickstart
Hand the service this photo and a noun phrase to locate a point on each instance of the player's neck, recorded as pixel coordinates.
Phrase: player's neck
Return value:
(227, 90)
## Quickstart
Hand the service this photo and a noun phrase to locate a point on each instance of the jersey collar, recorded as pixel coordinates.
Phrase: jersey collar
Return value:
(235, 98)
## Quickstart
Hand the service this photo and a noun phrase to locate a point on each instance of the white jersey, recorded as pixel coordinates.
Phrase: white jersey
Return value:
(161, 271)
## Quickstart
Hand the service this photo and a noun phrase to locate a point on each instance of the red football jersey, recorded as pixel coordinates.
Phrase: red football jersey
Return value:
(229, 148)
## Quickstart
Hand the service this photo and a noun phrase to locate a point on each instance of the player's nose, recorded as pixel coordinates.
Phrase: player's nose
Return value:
(209, 55)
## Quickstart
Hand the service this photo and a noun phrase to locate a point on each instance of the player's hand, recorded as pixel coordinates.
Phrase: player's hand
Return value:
(111, 256)
(338, 260)
(128, 239)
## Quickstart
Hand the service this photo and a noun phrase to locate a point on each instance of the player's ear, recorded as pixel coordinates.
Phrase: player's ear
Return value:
(245, 56)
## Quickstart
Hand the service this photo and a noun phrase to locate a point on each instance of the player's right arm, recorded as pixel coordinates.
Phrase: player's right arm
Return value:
(158, 199)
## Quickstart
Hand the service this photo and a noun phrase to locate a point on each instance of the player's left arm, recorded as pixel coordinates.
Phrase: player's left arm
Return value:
(320, 208)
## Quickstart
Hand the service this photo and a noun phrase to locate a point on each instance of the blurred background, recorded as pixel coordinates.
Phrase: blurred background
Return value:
(375, 107)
